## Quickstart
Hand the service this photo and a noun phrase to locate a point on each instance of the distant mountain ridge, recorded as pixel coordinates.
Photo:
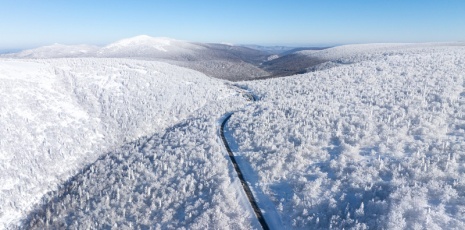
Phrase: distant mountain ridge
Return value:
(222, 61)
(139, 46)
(215, 60)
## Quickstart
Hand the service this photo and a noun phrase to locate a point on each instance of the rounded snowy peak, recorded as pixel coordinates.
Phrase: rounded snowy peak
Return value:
(146, 46)
(157, 43)
(142, 40)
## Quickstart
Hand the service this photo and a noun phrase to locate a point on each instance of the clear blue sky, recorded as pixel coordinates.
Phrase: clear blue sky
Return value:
(30, 23)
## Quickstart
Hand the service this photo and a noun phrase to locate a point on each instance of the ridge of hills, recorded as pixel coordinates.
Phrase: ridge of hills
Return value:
(222, 61)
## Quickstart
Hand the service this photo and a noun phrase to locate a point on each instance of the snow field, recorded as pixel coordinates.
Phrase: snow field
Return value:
(376, 141)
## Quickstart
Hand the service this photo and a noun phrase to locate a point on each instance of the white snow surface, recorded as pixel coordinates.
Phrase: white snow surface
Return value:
(146, 46)
(143, 40)
(57, 51)
(57, 115)
(375, 143)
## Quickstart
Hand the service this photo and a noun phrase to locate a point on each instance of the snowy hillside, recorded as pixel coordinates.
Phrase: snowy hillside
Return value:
(374, 142)
(57, 51)
(300, 61)
(57, 115)
(347, 54)
(176, 179)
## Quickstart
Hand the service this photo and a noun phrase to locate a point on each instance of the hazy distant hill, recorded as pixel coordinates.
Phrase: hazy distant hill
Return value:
(270, 49)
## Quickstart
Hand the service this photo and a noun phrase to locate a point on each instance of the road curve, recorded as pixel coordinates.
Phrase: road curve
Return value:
(244, 183)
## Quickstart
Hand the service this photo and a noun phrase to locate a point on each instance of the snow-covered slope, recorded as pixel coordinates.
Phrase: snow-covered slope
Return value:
(57, 51)
(180, 178)
(303, 61)
(375, 143)
(347, 54)
(57, 115)
(365, 50)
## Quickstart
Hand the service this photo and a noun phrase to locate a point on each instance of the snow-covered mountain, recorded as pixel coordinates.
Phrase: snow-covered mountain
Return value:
(216, 60)
(149, 47)
(371, 138)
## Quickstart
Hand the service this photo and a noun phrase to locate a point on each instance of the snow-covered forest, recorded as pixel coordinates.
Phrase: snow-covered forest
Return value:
(371, 137)
(375, 139)
(59, 115)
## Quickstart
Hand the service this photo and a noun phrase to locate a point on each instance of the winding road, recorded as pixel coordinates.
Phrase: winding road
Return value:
(245, 185)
